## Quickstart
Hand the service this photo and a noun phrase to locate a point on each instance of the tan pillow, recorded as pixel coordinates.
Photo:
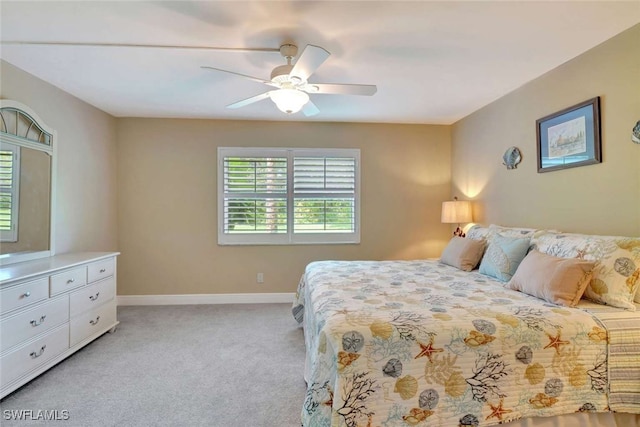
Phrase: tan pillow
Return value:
(463, 253)
(557, 280)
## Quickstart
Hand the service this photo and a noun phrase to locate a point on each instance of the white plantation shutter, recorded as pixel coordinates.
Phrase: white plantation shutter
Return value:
(288, 196)
(254, 185)
(324, 194)
(9, 180)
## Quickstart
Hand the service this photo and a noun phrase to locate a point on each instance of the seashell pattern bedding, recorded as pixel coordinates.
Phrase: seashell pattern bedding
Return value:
(419, 343)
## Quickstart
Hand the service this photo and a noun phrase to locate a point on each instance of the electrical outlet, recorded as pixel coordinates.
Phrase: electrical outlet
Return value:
(260, 278)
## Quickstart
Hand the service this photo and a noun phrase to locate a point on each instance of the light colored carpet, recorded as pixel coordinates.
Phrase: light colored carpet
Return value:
(198, 365)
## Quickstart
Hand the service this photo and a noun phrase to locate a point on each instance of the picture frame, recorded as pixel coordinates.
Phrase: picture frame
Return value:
(570, 138)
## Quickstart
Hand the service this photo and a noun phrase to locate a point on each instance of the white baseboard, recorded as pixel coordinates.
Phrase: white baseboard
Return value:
(205, 299)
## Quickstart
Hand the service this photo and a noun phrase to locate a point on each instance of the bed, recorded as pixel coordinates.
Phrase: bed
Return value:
(422, 343)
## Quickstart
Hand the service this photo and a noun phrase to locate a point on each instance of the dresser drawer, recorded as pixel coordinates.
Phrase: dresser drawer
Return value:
(101, 269)
(24, 294)
(18, 362)
(91, 322)
(34, 321)
(68, 280)
(92, 296)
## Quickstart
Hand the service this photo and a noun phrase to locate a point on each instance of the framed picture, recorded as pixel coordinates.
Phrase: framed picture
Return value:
(570, 138)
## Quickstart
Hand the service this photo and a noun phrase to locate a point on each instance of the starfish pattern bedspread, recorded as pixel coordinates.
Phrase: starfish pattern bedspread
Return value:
(419, 343)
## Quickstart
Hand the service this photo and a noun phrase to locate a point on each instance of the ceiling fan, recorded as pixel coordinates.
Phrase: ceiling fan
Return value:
(291, 82)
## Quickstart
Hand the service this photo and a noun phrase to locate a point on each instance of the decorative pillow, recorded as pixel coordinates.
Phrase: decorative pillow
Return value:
(617, 272)
(503, 255)
(463, 253)
(478, 232)
(553, 279)
(512, 231)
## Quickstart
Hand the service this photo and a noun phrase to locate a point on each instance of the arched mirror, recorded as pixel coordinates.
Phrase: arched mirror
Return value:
(27, 178)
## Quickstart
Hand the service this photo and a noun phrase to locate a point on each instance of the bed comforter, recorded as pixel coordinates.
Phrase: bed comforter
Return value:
(419, 343)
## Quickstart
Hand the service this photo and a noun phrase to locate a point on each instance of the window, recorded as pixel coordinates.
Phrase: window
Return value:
(288, 196)
(9, 179)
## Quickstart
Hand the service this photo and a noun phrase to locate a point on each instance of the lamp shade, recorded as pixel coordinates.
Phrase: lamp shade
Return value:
(289, 100)
(456, 211)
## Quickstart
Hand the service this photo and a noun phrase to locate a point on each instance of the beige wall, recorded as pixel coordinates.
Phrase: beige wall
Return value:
(86, 180)
(598, 199)
(167, 202)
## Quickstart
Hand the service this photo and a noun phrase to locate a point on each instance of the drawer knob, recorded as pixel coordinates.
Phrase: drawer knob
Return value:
(35, 355)
(71, 280)
(95, 322)
(35, 323)
(94, 297)
(26, 294)
(102, 270)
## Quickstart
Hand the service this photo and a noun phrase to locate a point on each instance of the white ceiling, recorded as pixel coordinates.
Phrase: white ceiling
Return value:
(433, 62)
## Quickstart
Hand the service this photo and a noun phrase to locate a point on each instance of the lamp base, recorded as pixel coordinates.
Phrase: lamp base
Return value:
(459, 232)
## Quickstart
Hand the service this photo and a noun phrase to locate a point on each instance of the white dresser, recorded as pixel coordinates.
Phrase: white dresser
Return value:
(50, 308)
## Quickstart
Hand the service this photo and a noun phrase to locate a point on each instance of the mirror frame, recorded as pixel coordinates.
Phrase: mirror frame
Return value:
(51, 150)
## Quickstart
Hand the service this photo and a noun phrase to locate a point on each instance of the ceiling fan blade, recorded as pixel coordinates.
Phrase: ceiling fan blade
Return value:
(255, 79)
(248, 101)
(309, 61)
(325, 88)
(310, 109)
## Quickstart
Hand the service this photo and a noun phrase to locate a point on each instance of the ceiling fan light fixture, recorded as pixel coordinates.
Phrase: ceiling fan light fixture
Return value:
(289, 101)
(291, 81)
